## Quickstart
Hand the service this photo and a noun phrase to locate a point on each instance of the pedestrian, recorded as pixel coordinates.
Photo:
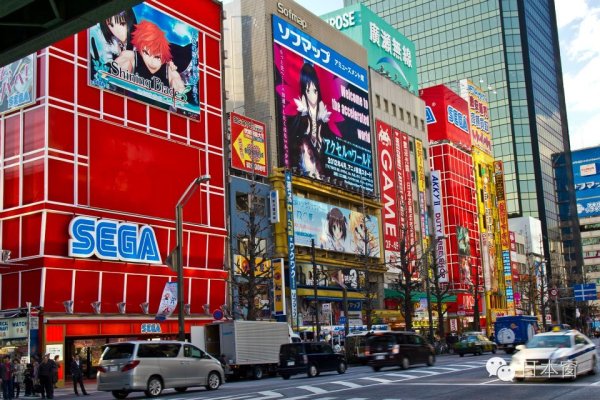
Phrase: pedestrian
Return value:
(77, 375)
(56, 367)
(28, 380)
(17, 377)
(45, 373)
(37, 388)
(6, 377)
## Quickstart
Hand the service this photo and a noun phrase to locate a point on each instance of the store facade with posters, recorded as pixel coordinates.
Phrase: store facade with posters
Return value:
(92, 170)
(311, 90)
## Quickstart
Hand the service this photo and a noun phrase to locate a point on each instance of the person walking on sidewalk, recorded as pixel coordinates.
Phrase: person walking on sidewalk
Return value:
(17, 377)
(6, 378)
(45, 373)
(77, 375)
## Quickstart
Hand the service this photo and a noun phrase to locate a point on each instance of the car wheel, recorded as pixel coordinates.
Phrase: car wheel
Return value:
(181, 389)
(312, 371)
(494, 349)
(405, 363)
(155, 386)
(257, 373)
(430, 360)
(285, 376)
(341, 367)
(461, 354)
(519, 379)
(478, 351)
(376, 368)
(594, 369)
(120, 394)
(509, 351)
(213, 382)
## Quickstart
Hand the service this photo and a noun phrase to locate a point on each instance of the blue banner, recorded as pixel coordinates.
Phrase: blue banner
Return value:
(289, 199)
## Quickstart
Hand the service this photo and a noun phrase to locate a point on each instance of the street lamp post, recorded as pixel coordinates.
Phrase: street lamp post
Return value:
(179, 242)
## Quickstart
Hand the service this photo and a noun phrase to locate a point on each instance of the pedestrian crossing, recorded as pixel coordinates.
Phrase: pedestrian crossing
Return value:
(335, 390)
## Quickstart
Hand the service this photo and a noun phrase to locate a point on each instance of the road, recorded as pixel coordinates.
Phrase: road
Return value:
(452, 377)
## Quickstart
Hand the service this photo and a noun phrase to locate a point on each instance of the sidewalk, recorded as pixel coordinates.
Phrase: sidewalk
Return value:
(67, 389)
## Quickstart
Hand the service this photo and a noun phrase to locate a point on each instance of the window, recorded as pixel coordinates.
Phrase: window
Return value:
(393, 109)
(377, 101)
(408, 117)
(385, 106)
(247, 202)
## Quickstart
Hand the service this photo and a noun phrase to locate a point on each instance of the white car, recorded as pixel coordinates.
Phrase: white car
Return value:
(557, 354)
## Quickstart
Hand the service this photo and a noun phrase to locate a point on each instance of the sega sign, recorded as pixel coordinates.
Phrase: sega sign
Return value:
(112, 240)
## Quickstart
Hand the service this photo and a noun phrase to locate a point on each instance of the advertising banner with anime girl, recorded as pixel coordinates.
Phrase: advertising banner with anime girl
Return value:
(323, 110)
(148, 55)
(334, 228)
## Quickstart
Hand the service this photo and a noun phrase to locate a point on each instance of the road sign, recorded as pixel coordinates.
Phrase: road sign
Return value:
(342, 320)
(554, 293)
(584, 292)
(326, 307)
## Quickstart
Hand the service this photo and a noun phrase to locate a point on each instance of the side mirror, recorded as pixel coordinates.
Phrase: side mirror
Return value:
(520, 347)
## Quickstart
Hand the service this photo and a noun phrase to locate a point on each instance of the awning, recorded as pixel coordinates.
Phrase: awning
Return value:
(416, 296)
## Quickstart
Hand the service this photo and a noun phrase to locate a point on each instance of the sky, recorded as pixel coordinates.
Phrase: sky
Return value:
(579, 35)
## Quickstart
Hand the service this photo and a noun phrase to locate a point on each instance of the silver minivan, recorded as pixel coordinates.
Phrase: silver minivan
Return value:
(151, 366)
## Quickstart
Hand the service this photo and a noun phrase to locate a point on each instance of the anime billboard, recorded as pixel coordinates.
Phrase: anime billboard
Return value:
(17, 84)
(323, 113)
(464, 253)
(149, 56)
(334, 228)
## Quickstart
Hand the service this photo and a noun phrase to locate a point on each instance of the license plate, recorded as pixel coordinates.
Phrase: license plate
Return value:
(291, 363)
(112, 368)
(380, 357)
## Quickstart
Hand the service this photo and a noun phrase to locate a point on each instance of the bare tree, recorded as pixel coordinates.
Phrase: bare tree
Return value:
(253, 275)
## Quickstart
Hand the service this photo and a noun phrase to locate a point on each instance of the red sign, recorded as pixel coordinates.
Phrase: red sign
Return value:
(387, 180)
(248, 145)
(448, 116)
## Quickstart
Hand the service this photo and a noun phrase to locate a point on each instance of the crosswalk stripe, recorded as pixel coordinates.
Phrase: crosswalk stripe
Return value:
(423, 371)
(347, 384)
(314, 389)
(395, 374)
(445, 368)
(270, 394)
(462, 365)
(380, 380)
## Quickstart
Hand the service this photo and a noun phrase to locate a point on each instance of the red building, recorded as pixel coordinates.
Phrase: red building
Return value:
(90, 174)
(450, 156)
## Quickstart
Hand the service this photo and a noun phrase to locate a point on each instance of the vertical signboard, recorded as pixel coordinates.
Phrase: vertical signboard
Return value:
(479, 115)
(387, 181)
(398, 155)
(408, 192)
(421, 188)
(291, 246)
(586, 178)
(248, 145)
(504, 232)
(322, 109)
(17, 84)
(278, 287)
(438, 225)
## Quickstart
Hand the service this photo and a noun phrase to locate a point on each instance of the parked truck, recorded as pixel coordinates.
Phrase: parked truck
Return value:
(247, 348)
(511, 331)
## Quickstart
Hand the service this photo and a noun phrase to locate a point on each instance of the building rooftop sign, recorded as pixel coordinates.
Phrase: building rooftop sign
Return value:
(388, 51)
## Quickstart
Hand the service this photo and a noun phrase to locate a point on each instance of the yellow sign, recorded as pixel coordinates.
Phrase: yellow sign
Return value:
(242, 266)
(278, 286)
(420, 169)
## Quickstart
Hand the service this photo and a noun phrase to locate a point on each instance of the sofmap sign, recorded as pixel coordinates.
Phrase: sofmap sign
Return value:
(112, 240)
(388, 50)
(586, 178)
(323, 110)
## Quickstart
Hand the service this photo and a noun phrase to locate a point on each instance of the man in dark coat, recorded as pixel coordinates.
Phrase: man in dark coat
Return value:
(77, 375)
(45, 374)
(6, 378)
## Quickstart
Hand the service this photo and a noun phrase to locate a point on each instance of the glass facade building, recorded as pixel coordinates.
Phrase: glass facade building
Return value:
(510, 48)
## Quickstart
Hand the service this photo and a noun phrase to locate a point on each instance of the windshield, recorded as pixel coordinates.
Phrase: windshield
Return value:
(118, 351)
(539, 342)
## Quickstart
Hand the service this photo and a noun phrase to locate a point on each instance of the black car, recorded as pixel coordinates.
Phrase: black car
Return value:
(402, 349)
(310, 358)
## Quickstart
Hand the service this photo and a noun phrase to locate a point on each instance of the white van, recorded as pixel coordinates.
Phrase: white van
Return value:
(151, 366)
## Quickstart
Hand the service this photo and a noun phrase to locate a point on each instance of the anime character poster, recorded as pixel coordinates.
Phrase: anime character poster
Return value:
(17, 84)
(323, 110)
(168, 301)
(147, 55)
(335, 228)
(464, 253)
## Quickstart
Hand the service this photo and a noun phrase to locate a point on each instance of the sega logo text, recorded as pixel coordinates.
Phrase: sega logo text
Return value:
(112, 240)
